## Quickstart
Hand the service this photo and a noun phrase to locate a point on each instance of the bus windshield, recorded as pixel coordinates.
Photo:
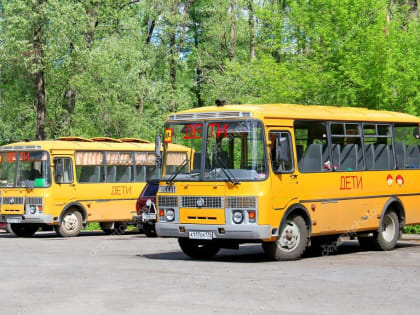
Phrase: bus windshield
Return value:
(234, 151)
(24, 169)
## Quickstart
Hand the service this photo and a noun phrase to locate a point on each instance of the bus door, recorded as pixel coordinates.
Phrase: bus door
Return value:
(285, 178)
(64, 182)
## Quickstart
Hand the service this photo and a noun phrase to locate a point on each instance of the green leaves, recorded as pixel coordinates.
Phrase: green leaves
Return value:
(117, 68)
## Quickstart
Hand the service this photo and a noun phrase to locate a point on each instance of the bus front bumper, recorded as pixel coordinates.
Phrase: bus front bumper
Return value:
(37, 218)
(236, 232)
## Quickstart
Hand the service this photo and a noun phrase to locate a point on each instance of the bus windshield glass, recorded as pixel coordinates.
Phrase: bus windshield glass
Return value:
(24, 169)
(234, 151)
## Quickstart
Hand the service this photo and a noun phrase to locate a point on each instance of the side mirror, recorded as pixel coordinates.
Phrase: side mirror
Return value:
(158, 155)
(59, 172)
(282, 149)
(416, 133)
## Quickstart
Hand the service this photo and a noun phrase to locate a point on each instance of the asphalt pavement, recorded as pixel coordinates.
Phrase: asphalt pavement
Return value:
(132, 274)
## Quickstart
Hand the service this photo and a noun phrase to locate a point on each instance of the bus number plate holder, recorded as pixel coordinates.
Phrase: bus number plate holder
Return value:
(201, 235)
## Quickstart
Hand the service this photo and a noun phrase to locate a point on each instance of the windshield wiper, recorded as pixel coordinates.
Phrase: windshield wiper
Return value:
(227, 173)
(177, 171)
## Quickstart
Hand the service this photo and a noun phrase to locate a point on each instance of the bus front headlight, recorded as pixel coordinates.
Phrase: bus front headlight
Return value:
(32, 209)
(238, 216)
(170, 215)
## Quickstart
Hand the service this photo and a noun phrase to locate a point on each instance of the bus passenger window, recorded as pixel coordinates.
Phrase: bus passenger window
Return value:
(346, 147)
(63, 170)
(119, 166)
(378, 146)
(281, 152)
(312, 147)
(90, 167)
(145, 166)
(407, 141)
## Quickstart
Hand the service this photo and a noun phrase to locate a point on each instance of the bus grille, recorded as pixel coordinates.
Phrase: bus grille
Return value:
(34, 200)
(242, 202)
(12, 201)
(167, 201)
(209, 202)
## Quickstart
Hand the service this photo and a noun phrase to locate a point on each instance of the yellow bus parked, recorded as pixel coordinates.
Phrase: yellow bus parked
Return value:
(71, 181)
(289, 175)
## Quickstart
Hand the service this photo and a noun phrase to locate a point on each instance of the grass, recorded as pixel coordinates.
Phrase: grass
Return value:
(94, 226)
(413, 229)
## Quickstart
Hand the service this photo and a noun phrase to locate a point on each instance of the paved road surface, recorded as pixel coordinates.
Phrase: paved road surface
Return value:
(131, 274)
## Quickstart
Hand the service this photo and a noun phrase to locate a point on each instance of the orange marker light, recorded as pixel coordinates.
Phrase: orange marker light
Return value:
(161, 212)
(251, 214)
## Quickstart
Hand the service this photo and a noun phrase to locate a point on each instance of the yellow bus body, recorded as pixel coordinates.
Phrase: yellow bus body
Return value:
(104, 202)
(333, 202)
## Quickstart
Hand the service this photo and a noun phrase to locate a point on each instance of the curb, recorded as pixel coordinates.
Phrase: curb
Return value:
(411, 237)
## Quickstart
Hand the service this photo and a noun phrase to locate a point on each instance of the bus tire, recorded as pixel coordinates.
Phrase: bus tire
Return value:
(292, 241)
(387, 238)
(23, 229)
(198, 250)
(70, 224)
(149, 230)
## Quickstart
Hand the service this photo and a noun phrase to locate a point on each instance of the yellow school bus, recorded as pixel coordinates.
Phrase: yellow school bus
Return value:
(71, 181)
(287, 176)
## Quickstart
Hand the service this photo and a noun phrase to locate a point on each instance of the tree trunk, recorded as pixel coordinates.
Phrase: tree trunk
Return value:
(93, 22)
(150, 32)
(40, 103)
(251, 24)
(232, 30)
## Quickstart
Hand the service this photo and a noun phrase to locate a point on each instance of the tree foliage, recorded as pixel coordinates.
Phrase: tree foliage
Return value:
(118, 67)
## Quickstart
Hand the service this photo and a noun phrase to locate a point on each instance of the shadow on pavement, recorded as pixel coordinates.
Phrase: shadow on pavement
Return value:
(53, 235)
(254, 253)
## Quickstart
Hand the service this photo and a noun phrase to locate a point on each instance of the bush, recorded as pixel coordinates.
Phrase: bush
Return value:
(413, 229)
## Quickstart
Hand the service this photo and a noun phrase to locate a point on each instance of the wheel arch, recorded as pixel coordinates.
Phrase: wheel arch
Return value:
(396, 204)
(297, 209)
(79, 207)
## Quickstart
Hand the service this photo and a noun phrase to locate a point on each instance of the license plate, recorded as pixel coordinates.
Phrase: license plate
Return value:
(149, 216)
(13, 220)
(200, 235)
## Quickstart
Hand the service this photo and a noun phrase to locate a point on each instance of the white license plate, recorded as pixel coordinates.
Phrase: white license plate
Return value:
(200, 235)
(149, 216)
(13, 220)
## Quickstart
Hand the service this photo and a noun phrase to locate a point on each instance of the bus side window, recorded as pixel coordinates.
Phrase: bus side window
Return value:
(378, 147)
(346, 147)
(63, 170)
(312, 146)
(281, 152)
(407, 141)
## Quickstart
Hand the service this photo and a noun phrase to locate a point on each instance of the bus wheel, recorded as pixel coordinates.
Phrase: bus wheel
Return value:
(292, 241)
(149, 230)
(70, 224)
(388, 237)
(24, 230)
(197, 249)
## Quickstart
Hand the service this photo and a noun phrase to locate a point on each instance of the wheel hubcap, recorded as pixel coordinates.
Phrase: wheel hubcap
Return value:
(388, 228)
(70, 222)
(289, 238)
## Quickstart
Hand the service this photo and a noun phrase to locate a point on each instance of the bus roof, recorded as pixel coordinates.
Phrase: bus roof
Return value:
(79, 145)
(82, 145)
(293, 111)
